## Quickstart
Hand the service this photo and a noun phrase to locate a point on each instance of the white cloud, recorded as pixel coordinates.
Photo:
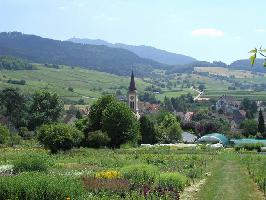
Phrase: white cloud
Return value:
(261, 30)
(208, 32)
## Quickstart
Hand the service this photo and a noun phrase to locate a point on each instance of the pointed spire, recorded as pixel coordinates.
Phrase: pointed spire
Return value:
(132, 85)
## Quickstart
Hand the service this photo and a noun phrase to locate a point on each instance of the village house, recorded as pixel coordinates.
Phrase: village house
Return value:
(227, 104)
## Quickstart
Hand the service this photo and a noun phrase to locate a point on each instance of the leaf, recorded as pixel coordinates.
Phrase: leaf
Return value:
(252, 59)
(264, 64)
(253, 51)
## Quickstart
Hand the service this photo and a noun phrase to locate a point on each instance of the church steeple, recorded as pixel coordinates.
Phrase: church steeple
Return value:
(132, 95)
(132, 86)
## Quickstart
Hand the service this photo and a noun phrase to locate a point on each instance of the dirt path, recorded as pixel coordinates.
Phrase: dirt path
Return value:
(229, 181)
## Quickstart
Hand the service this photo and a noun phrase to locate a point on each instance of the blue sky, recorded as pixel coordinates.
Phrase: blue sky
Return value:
(205, 29)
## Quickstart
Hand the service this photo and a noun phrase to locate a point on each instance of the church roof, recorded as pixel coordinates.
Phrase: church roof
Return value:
(132, 85)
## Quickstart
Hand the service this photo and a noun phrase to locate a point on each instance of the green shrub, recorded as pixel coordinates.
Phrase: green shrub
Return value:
(31, 162)
(13, 140)
(172, 180)
(4, 134)
(140, 174)
(59, 136)
(38, 186)
(249, 147)
(97, 139)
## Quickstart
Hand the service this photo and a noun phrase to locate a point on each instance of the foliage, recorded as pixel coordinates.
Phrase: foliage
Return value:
(12, 63)
(30, 162)
(172, 180)
(47, 107)
(97, 139)
(15, 106)
(148, 130)
(96, 112)
(120, 124)
(148, 97)
(36, 186)
(261, 125)
(4, 134)
(57, 137)
(249, 147)
(254, 53)
(249, 127)
(140, 174)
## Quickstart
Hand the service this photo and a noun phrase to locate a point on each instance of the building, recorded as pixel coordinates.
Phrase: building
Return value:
(133, 95)
(214, 138)
(227, 104)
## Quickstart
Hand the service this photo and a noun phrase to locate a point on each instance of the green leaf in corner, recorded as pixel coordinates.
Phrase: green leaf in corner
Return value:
(253, 51)
(252, 59)
(264, 64)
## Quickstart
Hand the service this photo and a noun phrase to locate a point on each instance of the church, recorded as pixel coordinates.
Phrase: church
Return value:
(133, 96)
(138, 107)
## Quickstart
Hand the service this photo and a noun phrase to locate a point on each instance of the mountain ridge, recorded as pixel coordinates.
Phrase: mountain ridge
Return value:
(149, 52)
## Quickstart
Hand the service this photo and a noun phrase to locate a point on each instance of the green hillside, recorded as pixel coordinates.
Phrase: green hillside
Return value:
(86, 84)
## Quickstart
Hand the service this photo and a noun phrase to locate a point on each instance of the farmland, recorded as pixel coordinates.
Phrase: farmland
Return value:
(118, 174)
(104, 173)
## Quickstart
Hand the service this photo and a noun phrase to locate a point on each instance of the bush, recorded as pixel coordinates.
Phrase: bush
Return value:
(38, 186)
(30, 162)
(250, 147)
(97, 139)
(172, 180)
(59, 136)
(13, 140)
(4, 134)
(140, 174)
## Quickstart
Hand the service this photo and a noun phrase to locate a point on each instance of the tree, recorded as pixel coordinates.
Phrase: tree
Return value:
(15, 107)
(4, 134)
(97, 139)
(47, 107)
(96, 112)
(201, 87)
(261, 125)
(120, 124)
(174, 133)
(249, 127)
(59, 137)
(147, 130)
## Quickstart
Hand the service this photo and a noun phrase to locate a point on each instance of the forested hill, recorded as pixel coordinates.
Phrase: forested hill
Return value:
(245, 65)
(102, 58)
(143, 51)
(11, 63)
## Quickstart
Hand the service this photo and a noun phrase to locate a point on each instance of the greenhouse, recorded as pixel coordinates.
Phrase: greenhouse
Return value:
(214, 138)
(238, 142)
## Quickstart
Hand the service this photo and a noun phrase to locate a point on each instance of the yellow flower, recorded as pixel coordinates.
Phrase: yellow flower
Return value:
(110, 174)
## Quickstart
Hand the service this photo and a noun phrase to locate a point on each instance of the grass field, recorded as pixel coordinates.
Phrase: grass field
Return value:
(87, 84)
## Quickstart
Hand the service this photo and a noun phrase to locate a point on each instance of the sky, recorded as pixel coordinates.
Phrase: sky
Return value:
(221, 30)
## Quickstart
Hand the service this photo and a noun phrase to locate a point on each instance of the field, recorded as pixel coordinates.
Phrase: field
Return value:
(133, 173)
(104, 173)
(87, 84)
(222, 71)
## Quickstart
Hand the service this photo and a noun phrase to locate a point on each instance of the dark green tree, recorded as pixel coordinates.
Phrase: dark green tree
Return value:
(47, 107)
(15, 107)
(120, 124)
(261, 125)
(147, 130)
(96, 112)
(249, 127)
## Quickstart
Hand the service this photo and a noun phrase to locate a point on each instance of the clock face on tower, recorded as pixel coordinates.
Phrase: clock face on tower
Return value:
(132, 97)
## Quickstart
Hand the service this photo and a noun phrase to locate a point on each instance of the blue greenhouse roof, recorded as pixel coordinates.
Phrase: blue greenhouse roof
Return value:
(214, 137)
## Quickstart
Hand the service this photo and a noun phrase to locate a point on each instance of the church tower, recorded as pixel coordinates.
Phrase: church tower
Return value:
(132, 95)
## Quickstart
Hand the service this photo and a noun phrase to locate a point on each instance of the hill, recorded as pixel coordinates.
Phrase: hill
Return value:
(143, 51)
(72, 84)
(244, 64)
(102, 58)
